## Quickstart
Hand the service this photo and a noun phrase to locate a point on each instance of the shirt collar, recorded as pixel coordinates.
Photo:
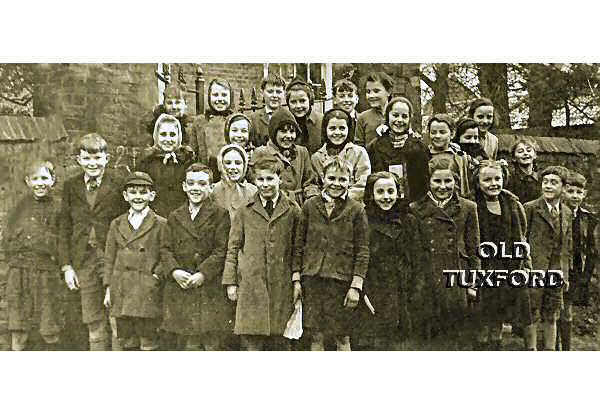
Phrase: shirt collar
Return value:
(439, 203)
(98, 179)
(143, 213)
(329, 199)
(550, 207)
(264, 201)
(269, 110)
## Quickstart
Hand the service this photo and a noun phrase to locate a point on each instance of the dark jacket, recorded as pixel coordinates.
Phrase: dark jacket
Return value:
(132, 256)
(259, 262)
(447, 238)
(334, 247)
(586, 255)
(77, 218)
(526, 187)
(314, 140)
(167, 178)
(414, 156)
(366, 126)
(197, 245)
(260, 124)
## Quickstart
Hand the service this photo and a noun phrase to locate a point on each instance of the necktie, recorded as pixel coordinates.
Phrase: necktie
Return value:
(93, 185)
(554, 213)
(269, 207)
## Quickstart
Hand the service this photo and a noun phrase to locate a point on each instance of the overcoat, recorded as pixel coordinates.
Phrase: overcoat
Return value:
(259, 262)
(447, 238)
(78, 217)
(547, 237)
(298, 179)
(589, 252)
(366, 126)
(197, 245)
(207, 136)
(260, 123)
(132, 257)
(313, 142)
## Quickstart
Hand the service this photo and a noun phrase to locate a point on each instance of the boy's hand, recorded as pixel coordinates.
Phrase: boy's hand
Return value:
(107, 298)
(232, 292)
(352, 298)
(181, 277)
(195, 280)
(297, 291)
(471, 293)
(71, 278)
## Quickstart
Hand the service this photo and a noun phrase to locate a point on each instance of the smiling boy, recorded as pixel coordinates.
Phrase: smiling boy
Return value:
(132, 256)
(272, 87)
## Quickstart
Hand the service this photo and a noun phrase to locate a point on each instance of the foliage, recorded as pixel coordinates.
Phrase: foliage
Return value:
(16, 89)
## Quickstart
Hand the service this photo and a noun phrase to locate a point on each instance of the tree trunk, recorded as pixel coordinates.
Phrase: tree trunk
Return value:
(440, 88)
(540, 105)
(493, 84)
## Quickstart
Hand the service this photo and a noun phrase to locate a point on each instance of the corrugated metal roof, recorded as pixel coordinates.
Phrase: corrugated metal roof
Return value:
(552, 144)
(23, 128)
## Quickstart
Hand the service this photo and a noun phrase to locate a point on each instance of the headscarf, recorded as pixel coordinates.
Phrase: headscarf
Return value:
(280, 118)
(221, 167)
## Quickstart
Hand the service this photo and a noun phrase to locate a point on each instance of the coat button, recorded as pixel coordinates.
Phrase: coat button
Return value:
(432, 249)
(451, 240)
(432, 241)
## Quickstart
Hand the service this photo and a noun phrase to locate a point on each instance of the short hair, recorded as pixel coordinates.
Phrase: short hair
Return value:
(235, 118)
(344, 85)
(441, 118)
(383, 78)
(390, 105)
(35, 165)
(338, 163)
(223, 83)
(576, 179)
(442, 164)
(526, 141)
(558, 170)
(93, 143)
(480, 102)
(464, 124)
(268, 163)
(175, 90)
(273, 79)
(199, 167)
(339, 114)
(297, 87)
(374, 177)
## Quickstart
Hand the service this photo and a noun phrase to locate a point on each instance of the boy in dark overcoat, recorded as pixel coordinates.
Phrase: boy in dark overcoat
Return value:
(91, 200)
(549, 234)
(132, 257)
(272, 87)
(196, 311)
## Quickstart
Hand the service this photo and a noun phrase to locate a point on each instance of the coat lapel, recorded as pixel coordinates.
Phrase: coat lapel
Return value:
(545, 214)
(389, 229)
(280, 208)
(146, 225)
(104, 189)
(264, 117)
(205, 214)
(258, 207)
(182, 216)
(80, 189)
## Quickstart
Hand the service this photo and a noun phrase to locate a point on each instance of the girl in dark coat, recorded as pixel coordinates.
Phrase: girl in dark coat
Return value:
(385, 321)
(501, 220)
(447, 238)
(401, 151)
(166, 163)
(524, 181)
(33, 284)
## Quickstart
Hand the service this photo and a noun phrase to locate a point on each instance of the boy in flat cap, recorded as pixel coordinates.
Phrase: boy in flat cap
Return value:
(132, 257)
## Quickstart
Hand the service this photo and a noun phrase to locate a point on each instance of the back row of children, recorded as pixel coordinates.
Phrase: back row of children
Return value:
(307, 231)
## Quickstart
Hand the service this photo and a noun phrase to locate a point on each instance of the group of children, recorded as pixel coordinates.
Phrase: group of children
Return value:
(231, 222)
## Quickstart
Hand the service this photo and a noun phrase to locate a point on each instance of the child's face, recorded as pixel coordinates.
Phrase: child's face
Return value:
(167, 137)
(337, 130)
(346, 100)
(442, 184)
(484, 116)
(233, 164)
(376, 94)
(399, 117)
(490, 181)
(40, 182)
(239, 132)
(552, 187)
(138, 197)
(220, 97)
(273, 96)
(574, 196)
(93, 164)
(336, 182)
(299, 103)
(267, 183)
(175, 107)
(470, 135)
(524, 154)
(385, 193)
(197, 186)
(286, 136)
(440, 135)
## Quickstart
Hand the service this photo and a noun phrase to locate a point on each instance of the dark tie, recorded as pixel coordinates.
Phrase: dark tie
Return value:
(93, 185)
(577, 242)
(554, 214)
(269, 207)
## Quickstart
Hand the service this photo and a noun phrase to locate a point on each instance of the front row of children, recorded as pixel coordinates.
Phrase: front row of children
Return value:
(368, 276)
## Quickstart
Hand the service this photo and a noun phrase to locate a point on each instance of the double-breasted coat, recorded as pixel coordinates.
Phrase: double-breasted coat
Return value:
(132, 257)
(447, 238)
(551, 245)
(259, 262)
(197, 245)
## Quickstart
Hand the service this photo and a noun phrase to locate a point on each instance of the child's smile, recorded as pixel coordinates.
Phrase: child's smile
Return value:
(168, 137)
(377, 95)
(175, 107)
(574, 195)
(238, 132)
(299, 103)
(93, 164)
(197, 186)
(440, 135)
(273, 96)
(442, 184)
(524, 154)
(490, 181)
(40, 182)
(399, 117)
(337, 130)
(138, 197)
(385, 193)
(336, 182)
(484, 116)
(346, 100)
(551, 186)
(267, 183)
(234, 165)
(286, 137)
(220, 97)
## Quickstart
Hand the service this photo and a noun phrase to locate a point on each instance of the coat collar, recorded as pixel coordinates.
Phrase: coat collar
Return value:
(542, 210)
(130, 234)
(391, 229)
(429, 208)
(274, 151)
(281, 207)
(205, 214)
(103, 190)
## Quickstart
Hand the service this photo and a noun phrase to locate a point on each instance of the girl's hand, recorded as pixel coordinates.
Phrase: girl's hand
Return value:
(232, 292)
(107, 298)
(352, 298)
(181, 277)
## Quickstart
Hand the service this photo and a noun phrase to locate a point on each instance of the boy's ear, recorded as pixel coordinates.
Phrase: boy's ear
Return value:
(27, 180)
(125, 195)
(183, 186)
(152, 195)
(211, 187)
(107, 157)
